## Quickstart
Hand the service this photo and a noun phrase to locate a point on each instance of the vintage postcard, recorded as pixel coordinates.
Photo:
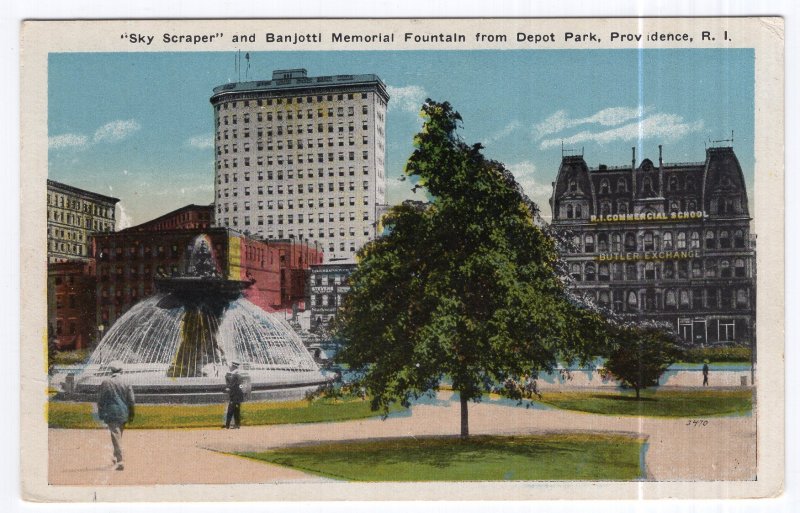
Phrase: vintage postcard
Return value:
(402, 259)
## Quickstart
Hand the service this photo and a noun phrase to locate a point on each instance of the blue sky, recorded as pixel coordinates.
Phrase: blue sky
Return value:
(138, 126)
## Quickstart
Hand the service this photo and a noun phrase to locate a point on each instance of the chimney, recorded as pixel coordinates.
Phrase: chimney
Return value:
(660, 173)
(633, 171)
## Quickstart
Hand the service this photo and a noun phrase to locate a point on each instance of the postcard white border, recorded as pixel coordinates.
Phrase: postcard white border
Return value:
(765, 35)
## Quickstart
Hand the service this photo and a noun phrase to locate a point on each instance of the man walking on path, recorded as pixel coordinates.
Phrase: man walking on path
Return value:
(705, 373)
(115, 404)
(233, 381)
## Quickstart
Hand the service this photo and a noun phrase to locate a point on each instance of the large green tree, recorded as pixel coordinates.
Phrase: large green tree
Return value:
(464, 287)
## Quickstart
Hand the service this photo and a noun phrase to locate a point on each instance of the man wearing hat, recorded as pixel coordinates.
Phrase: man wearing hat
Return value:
(233, 382)
(115, 403)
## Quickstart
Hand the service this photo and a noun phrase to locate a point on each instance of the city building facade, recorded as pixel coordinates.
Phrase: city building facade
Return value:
(71, 304)
(327, 287)
(663, 242)
(72, 216)
(302, 158)
(128, 262)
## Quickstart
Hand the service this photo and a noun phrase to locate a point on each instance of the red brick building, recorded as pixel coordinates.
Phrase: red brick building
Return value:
(71, 294)
(128, 261)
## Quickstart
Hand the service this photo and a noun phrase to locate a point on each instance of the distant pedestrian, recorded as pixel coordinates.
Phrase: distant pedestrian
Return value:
(115, 407)
(705, 373)
(233, 385)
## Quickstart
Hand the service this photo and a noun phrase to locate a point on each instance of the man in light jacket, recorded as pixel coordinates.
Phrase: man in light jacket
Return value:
(115, 407)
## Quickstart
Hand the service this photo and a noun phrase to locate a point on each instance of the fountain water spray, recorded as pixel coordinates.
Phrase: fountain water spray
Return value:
(177, 344)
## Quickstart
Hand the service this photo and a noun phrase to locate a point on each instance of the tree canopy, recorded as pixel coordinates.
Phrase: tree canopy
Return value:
(465, 287)
(640, 355)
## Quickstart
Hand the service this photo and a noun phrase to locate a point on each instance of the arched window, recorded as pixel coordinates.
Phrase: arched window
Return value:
(622, 185)
(570, 212)
(578, 212)
(724, 239)
(684, 295)
(616, 271)
(622, 207)
(738, 238)
(648, 241)
(576, 244)
(604, 298)
(604, 187)
(575, 271)
(739, 268)
(590, 271)
(605, 208)
(695, 240)
(647, 186)
(683, 269)
(681, 240)
(741, 298)
(649, 271)
(691, 205)
(667, 240)
(711, 242)
(697, 269)
(616, 243)
(630, 242)
(669, 299)
(588, 241)
(669, 270)
(673, 183)
(573, 186)
(603, 272)
(674, 206)
(725, 269)
(602, 242)
(632, 300)
(711, 268)
(630, 271)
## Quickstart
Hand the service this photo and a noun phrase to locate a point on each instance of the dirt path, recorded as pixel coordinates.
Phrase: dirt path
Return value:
(723, 449)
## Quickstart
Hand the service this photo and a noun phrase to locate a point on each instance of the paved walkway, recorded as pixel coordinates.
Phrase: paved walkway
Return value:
(724, 449)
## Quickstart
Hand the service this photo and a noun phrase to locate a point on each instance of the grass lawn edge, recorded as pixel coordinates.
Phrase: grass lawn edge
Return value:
(590, 443)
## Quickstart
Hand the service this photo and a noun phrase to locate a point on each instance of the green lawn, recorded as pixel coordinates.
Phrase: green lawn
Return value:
(150, 416)
(479, 458)
(655, 403)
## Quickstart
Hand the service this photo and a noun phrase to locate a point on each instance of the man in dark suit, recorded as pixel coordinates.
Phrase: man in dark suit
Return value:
(233, 382)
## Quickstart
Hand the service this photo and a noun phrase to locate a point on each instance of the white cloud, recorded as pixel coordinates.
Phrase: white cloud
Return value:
(667, 127)
(407, 98)
(116, 130)
(397, 191)
(555, 123)
(201, 142)
(57, 142)
(503, 132)
(124, 220)
(611, 116)
(525, 174)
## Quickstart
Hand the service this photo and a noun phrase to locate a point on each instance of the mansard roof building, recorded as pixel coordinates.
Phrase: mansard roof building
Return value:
(666, 242)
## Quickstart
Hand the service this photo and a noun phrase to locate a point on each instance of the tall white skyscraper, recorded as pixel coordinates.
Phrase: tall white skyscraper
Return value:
(302, 158)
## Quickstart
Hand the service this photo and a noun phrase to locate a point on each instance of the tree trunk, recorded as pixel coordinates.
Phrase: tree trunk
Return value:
(464, 417)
